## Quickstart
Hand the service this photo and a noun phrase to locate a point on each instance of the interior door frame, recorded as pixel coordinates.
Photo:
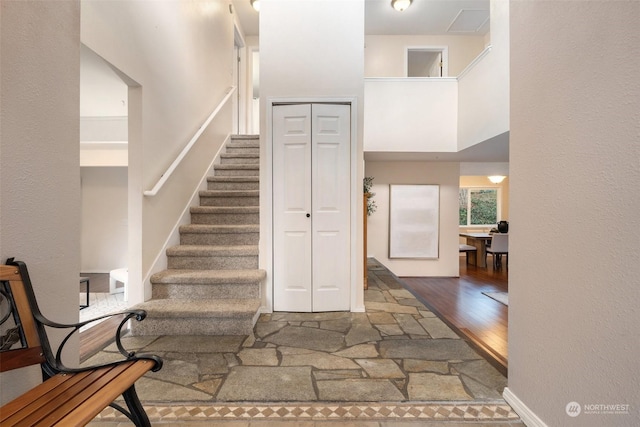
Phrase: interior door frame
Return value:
(443, 50)
(266, 197)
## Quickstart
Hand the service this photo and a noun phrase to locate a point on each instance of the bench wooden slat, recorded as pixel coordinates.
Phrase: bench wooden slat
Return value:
(19, 358)
(25, 409)
(99, 399)
(9, 272)
(65, 403)
(61, 402)
(73, 399)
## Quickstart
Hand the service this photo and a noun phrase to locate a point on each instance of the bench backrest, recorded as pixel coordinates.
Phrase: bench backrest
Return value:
(20, 343)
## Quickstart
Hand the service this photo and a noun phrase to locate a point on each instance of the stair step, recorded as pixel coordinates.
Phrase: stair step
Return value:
(237, 170)
(245, 135)
(207, 284)
(218, 235)
(233, 183)
(243, 147)
(197, 317)
(202, 257)
(239, 158)
(213, 285)
(219, 215)
(229, 198)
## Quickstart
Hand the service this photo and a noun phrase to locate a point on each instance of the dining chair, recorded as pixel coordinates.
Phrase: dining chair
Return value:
(499, 246)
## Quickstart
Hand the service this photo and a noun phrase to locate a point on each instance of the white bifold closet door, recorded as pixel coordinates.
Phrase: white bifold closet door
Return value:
(311, 207)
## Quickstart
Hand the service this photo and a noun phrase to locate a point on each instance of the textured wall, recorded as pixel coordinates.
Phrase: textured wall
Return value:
(575, 228)
(40, 166)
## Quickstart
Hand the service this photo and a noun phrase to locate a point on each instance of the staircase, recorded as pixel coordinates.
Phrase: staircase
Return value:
(212, 284)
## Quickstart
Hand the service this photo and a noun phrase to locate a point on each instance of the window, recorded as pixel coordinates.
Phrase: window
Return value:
(478, 206)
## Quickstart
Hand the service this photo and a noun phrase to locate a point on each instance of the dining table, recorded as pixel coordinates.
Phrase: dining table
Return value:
(479, 241)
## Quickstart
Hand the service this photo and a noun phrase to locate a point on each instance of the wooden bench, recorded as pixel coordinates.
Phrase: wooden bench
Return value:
(67, 396)
(469, 250)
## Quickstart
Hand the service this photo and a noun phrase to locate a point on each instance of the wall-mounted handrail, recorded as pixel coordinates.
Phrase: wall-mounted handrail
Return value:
(475, 61)
(165, 176)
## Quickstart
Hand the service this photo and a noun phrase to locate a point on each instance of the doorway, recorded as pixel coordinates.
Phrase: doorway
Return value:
(104, 137)
(311, 207)
(427, 61)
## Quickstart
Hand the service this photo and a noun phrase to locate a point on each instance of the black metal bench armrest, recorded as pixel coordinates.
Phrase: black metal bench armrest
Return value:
(56, 365)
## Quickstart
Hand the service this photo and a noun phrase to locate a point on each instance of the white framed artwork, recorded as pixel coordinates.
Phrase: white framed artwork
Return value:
(414, 218)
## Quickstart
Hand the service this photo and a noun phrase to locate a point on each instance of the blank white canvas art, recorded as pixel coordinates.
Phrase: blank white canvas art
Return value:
(414, 221)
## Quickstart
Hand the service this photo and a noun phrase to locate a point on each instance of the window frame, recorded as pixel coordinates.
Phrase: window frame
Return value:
(498, 190)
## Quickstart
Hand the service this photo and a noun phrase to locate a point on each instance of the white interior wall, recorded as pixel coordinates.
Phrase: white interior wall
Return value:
(103, 93)
(573, 295)
(385, 56)
(411, 115)
(104, 219)
(483, 91)
(444, 174)
(295, 62)
(180, 54)
(40, 167)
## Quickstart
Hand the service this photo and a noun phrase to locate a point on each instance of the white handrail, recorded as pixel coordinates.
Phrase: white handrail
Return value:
(473, 63)
(165, 176)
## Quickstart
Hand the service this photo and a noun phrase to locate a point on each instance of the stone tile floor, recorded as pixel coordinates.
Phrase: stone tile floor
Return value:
(396, 363)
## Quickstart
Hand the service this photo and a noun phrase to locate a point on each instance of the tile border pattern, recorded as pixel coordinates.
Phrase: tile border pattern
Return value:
(450, 411)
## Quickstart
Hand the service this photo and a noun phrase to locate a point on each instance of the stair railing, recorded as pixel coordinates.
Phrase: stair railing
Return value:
(165, 176)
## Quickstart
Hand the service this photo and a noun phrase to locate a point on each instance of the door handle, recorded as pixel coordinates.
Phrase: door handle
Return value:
(308, 215)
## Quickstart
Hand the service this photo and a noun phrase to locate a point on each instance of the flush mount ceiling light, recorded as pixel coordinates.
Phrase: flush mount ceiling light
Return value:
(496, 179)
(400, 5)
(255, 4)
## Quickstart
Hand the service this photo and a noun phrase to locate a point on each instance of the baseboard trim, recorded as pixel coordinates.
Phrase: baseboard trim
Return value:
(528, 417)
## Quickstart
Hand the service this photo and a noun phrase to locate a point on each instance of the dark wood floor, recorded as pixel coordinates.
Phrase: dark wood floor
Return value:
(460, 303)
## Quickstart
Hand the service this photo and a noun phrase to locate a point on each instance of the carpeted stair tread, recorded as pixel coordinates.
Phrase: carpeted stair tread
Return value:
(206, 250)
(233, 179)
(203, 309)
(240, 156)
(229, 193)
(237, 167)
(175, 276)
(219, 229)
(225, 209)
(248, 143)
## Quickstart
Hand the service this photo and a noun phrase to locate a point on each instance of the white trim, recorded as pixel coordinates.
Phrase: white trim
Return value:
(410, 79)
(528, 417)
(445, 57)
(475, 62)
(160, 262)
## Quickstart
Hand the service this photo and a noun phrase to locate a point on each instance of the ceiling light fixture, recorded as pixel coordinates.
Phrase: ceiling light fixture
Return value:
(400, 5)
(255, 4)
(496, 179)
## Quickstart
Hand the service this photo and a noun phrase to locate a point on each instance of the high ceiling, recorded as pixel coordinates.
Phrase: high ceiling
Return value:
(428, 17)
(423, 17)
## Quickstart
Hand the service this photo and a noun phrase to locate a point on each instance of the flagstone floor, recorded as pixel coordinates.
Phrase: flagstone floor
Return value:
(395, 363)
